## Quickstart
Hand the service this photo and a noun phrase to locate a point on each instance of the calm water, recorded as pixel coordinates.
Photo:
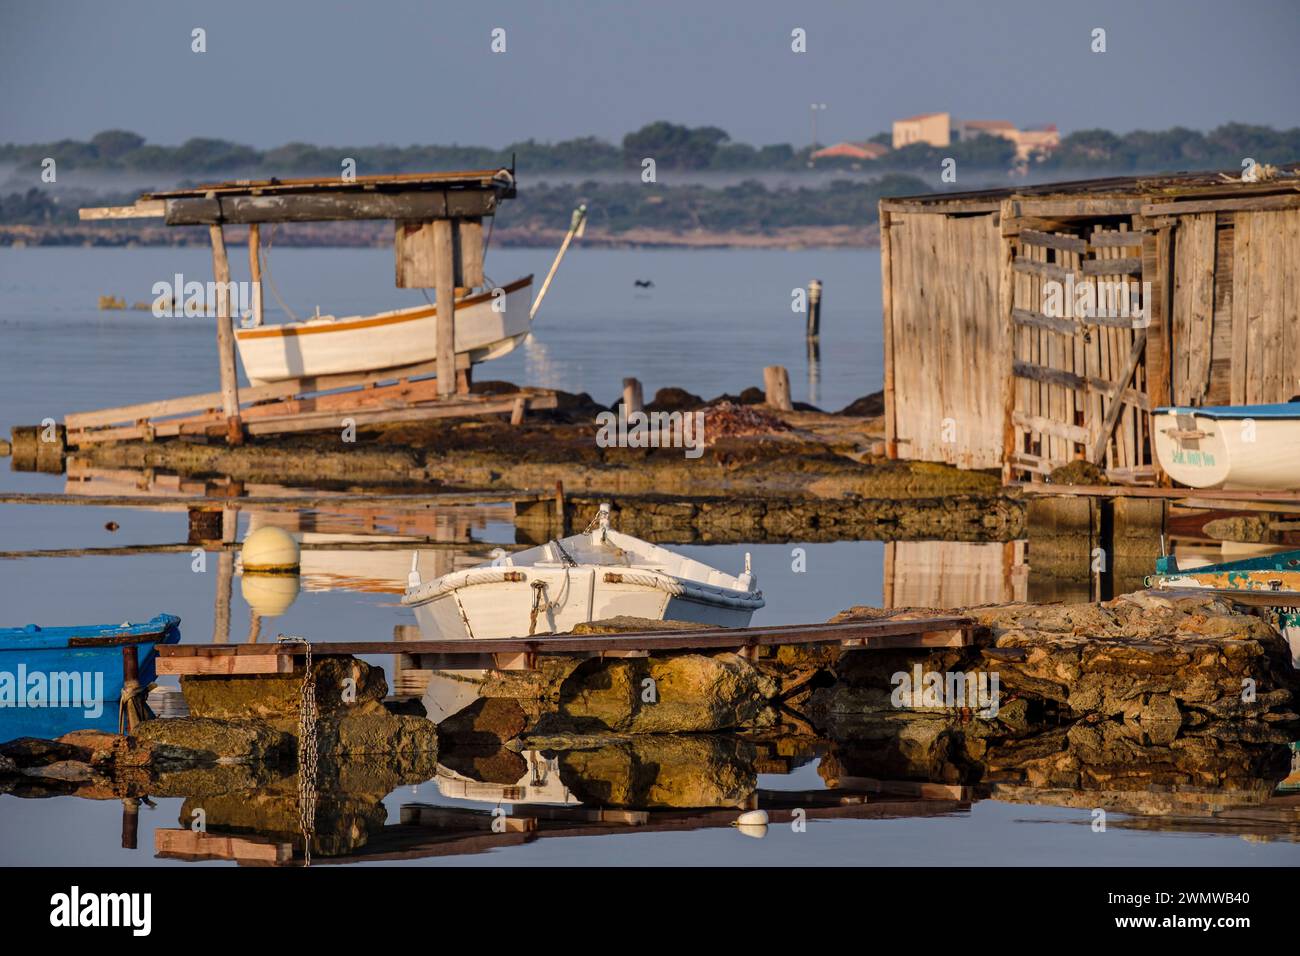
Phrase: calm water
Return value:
(713, 320)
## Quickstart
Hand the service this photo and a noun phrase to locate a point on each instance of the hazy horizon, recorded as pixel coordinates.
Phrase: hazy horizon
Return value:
(407, 73)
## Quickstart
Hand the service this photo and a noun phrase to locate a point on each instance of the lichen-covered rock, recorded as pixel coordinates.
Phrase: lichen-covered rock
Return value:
(341, 684)
(371, 733)
(664, 694)
(1151, 657)
(198, 741)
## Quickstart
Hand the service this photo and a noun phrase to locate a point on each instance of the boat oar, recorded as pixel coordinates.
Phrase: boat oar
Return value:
(577, 226)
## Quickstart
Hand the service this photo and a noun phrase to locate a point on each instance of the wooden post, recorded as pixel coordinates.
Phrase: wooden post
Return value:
(814, 308)
(886, 302)
(1006, 307)
(517, 412)
(255, 270)
(226, 339)
(776, 383)
(225, 583)
(633, 396)
(444, 251)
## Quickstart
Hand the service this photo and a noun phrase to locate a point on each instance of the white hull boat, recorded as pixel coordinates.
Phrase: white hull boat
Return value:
(584, 577)
(1233, 447)
(487, 326)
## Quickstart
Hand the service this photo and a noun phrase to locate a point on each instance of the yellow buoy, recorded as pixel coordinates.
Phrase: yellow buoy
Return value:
(270, 550)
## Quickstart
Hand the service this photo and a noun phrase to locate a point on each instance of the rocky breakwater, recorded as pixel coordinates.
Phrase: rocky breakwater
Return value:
(240, 733)
(1168, 662)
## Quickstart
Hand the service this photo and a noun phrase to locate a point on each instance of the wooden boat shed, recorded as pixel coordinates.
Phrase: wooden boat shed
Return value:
(987, 367)
(438, 242)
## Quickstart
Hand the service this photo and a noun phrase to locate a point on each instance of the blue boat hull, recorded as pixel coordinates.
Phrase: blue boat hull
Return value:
(56, 680)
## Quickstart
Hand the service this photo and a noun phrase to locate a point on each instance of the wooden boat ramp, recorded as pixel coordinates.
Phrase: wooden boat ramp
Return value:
(523, 653)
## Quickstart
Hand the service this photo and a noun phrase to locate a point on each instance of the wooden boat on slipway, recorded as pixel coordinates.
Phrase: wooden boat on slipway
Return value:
(550, 589)
(1235, 446)
(489, 324)
(580, 578)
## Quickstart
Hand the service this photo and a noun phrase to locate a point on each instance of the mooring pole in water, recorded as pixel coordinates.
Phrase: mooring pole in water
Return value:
(814, 308)
(633, 396)
(561, 518)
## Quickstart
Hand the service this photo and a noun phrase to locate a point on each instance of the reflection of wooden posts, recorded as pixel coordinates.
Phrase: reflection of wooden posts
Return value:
(130, 823)
(561, 516)
(633, 396)
(225, 582)
(444, 252)
(255, 270)
(254, 626)
(226, 339)
(776, 385)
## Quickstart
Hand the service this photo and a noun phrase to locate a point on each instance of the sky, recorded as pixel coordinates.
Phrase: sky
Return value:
(404, 72)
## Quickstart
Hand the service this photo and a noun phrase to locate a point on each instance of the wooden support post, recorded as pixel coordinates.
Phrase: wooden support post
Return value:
(226, 339)
(444, 251)
(887, 298)
(517, 413)
(776, 383)
(225, 584)
(633, 396)
(255, 270)
(814, 308)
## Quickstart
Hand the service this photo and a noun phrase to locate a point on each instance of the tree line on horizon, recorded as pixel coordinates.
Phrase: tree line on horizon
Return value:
(673, 147)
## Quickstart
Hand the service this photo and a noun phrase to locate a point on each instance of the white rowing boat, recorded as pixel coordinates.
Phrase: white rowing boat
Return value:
(1239, 446)
(488, 325)
(569, 581)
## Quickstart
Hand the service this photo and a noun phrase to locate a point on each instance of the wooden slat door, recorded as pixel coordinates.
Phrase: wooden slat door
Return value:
(1079, 372)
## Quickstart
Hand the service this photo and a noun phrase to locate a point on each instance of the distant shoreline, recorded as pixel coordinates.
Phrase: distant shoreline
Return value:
(378, 235)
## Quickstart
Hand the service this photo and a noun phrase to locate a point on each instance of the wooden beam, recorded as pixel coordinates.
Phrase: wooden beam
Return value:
(444, 240)
(1052, 241)
(266, 662)
(876, 632)
(323, 207)
(226, 339)
(142, 209)
(1243, 204)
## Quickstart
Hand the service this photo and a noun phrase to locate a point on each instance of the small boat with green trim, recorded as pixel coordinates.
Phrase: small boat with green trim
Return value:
(1271, 581)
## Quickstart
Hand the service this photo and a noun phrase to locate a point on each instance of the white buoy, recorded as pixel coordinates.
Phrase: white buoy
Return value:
(752, 823)
(270, 550)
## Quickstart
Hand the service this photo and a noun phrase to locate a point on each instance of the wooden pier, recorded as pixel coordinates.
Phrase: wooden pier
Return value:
(519, 653)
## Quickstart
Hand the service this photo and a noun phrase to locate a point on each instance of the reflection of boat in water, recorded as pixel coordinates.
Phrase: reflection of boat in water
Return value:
(57, 679)
(1237, 446)
(541, 784)
(574, 580)
(1270, 581)
(488, 325)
